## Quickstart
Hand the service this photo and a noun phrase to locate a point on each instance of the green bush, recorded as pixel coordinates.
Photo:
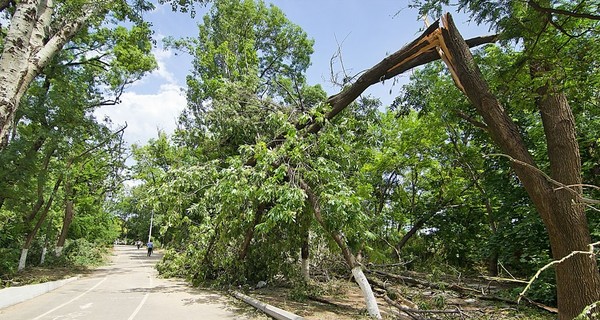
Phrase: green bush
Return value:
(83, 253)
(9, 261)
(172, 264)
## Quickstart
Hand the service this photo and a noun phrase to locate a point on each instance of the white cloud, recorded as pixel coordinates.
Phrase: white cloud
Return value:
(161, 58)
(146, 114)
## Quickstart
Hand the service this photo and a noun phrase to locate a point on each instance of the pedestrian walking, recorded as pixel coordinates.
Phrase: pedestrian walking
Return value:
(150, 246)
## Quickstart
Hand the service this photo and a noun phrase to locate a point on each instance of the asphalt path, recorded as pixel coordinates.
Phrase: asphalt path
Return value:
(128, 288)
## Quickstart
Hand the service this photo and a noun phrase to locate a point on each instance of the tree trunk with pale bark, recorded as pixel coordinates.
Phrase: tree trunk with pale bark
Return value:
(357, 272)
(28, 47)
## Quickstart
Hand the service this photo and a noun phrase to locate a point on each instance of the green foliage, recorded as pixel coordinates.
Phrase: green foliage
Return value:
(590, 312)
(225, 192)
(82, 253)
(248, 62)
(10, 260)
(60, 152)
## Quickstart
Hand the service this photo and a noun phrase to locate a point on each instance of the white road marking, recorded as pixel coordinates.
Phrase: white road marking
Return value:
(66, 303)
(139, 307)
(85, 306)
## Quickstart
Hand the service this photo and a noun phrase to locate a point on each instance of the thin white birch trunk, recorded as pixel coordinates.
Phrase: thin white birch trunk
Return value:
(306, 269)
(23, 259)
(370, 300)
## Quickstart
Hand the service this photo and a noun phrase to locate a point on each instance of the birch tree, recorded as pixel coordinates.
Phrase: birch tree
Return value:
(39, 29)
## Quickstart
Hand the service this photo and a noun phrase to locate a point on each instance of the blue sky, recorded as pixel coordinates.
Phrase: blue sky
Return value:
(364, 31)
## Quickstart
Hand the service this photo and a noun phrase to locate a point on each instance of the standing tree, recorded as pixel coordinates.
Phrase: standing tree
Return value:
(551, 36)
(57, 127)
(39, 29)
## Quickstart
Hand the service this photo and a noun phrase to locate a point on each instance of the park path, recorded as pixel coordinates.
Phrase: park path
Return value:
(128, 289)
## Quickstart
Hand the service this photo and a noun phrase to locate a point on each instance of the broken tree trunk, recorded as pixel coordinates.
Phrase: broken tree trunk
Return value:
(417, 53)
(561, 209)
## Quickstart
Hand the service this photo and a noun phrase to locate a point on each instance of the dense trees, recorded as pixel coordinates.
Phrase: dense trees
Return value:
(482, 169)
(59, 163)
(550, 39)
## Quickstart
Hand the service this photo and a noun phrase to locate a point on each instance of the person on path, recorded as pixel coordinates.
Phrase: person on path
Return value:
(150, 246)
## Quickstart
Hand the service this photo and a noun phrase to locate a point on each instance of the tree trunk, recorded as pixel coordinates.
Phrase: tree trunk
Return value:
(13, 64)
(211, 244)
(305, 221)
(250, 231)
(31, 235)
(23, 258)
(28, 48)
(304, 253)
(357, 272)
(46, 241)
(68, 218)
(578, 280)
(566, 221)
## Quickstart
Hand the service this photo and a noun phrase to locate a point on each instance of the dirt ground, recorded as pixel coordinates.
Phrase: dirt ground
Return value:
(347, 303)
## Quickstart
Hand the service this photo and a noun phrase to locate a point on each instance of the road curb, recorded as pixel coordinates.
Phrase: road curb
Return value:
(14, 295)
(274, 312)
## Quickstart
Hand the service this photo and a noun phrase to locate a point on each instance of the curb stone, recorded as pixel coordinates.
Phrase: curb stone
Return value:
(272, 311)
(13, 295)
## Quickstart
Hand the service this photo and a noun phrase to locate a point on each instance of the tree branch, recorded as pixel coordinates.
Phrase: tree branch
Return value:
(549, 179)
(590, 252)
(536, 6)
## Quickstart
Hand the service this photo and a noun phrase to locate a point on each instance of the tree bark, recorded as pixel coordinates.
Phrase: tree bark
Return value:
(305, 222)
(417, 53)
(28, 48)
(31, 234)
(67, 220)
(578, 280)
(46, 241)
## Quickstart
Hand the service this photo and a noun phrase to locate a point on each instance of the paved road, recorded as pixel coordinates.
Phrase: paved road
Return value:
(128, 289)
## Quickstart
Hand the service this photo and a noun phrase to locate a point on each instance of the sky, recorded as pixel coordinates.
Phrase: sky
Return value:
(364, 32)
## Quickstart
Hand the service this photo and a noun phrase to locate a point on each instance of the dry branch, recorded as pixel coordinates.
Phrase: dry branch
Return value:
(388, 290)
(590, 252)
(418, 282)
(462, 290)
(414, 312)
(509, 280)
